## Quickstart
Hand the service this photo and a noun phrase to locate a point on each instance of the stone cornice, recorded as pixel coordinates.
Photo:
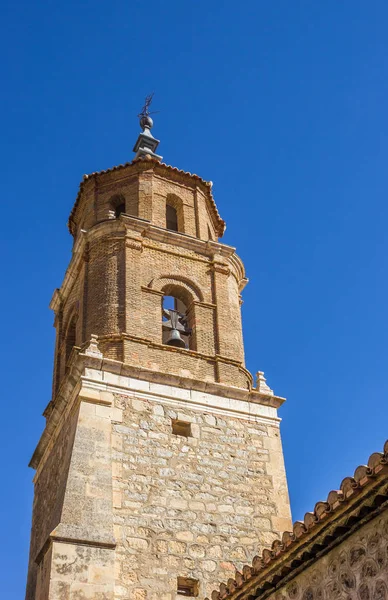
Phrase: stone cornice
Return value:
(97, 385)
(210, 387)
(79, 362)
(217, 358)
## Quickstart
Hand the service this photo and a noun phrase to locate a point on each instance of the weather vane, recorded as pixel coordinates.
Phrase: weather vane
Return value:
(146, 144)
(147, 103)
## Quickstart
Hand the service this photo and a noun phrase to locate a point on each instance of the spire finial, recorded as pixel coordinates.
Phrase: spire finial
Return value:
(146, 144)
(144, 114)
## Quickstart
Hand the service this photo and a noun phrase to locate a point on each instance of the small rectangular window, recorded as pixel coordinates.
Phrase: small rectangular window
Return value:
(187, 587)
(181, 428)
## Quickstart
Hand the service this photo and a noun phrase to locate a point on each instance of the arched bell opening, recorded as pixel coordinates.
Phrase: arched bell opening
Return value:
(174, 213)
(117, 204)
(176, 326)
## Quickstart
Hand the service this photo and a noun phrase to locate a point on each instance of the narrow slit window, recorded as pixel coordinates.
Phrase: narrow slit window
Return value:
(182, 428)
(188, 587)
(171, 218)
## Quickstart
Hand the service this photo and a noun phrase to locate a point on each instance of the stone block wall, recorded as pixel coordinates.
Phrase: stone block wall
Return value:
(125, 503)
(49, 493)
(79, 572)
(198, 506)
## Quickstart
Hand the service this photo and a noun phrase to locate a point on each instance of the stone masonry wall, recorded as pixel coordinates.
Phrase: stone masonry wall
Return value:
(357, 569)
(50, 487)
(195, 506)
(80, 572)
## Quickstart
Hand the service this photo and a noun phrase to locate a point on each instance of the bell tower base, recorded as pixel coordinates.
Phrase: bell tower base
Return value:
(126, 502)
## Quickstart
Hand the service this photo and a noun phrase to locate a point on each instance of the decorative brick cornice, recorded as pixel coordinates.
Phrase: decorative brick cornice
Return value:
(133, 243)
(228, 391)
(150, 290)
(220, 267)
(142, 165)
(204, 304)
(120, 229)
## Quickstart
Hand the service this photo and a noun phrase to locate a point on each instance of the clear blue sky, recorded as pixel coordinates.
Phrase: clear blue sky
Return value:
(283, 105)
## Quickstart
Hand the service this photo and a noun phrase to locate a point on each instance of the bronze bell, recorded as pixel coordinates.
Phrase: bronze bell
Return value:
(174, 339)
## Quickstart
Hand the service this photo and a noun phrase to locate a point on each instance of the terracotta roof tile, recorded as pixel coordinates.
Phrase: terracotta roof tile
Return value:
(363, 476)
(207, 184)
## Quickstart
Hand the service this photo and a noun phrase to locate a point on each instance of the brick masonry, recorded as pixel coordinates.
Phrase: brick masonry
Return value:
(119, 266)
(123, 505)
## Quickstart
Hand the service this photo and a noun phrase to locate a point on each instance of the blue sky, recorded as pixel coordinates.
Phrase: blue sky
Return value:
(283, 105)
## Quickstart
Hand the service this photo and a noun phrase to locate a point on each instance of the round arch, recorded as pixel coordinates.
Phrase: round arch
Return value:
(177, 285)
(117, 204)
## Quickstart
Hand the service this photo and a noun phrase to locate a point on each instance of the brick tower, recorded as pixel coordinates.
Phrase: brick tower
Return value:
(160, 468)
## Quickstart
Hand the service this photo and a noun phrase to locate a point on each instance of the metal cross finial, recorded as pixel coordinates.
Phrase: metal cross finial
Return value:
(146, 144)
(147, 103)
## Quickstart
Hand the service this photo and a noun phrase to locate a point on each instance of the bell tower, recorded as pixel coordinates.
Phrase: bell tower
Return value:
(160, 468)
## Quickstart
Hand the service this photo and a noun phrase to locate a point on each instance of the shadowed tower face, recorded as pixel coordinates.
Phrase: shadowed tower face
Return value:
(160, 468)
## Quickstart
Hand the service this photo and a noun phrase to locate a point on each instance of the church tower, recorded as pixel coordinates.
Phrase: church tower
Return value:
(160, 469)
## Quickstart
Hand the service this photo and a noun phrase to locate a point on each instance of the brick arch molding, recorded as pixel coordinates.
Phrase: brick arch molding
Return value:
(162, 282)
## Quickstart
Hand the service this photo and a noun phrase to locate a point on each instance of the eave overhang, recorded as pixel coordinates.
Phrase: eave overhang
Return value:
(142, 164)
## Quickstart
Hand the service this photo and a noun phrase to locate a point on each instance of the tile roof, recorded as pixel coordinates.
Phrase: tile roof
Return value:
(148, 158)
(326, 510)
